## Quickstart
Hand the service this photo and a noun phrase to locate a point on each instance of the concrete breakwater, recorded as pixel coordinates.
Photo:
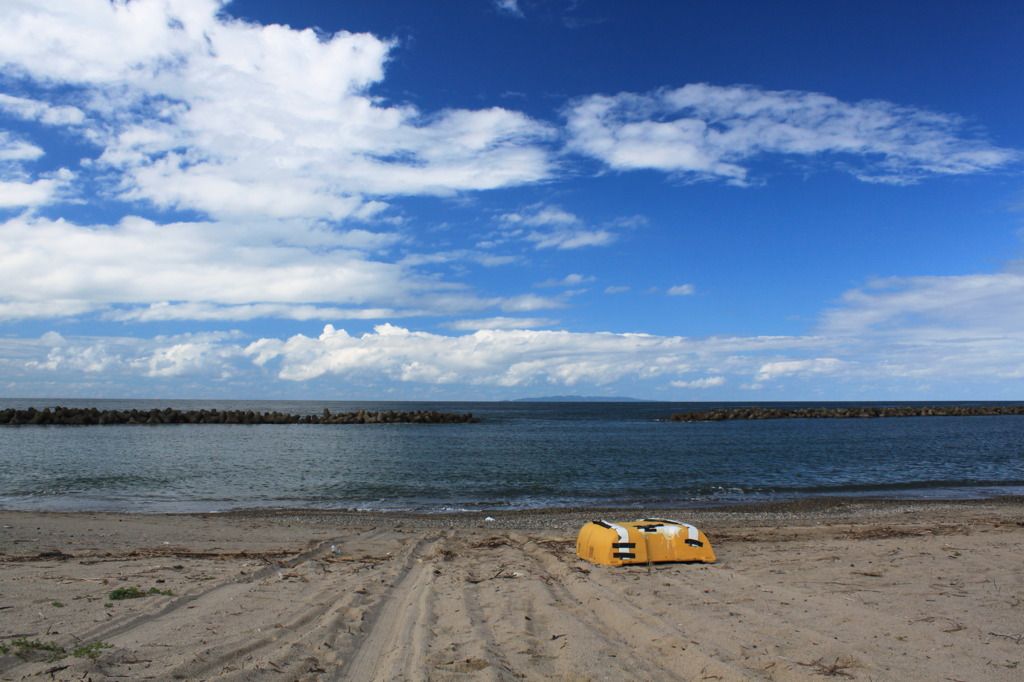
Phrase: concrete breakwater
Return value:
(724, 414)
(91, 416)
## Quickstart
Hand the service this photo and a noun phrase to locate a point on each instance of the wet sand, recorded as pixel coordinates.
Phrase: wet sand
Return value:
(847, 589)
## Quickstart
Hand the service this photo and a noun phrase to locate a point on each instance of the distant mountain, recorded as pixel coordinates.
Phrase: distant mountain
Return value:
(580, 399)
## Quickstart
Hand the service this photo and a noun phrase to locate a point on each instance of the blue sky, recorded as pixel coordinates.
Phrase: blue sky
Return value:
(491, 199)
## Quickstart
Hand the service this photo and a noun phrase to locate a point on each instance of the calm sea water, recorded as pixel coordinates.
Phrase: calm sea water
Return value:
(522, 455)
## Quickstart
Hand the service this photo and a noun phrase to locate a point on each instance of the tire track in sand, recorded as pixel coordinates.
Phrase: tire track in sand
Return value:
(394, 646)
(321, 618)
(213, 592)
(315, 601)
(645, 644)
(526, 617)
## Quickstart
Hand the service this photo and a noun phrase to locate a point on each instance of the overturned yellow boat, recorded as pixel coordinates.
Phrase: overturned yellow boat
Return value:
(643, 541)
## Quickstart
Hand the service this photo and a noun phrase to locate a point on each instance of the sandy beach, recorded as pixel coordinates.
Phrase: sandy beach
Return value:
(868, 590)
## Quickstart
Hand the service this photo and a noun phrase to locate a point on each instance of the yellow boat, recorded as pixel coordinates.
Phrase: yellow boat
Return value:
(643, 541)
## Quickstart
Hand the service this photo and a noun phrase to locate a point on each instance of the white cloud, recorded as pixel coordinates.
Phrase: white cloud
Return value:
(203, 355)
(682, 290)
(488, 260)
(571, 280)
(495, 357)
(41, 310)
(140, 261)
(500, 323)
(34, 110)
(52, 268)
(195, 110)
(908, 332)
(911, 352)
(509, 7)
(571, 239)
(894, 335)
(565, 230)
(774, 370)
(706, 131)
(957, 328)
(18, 194)
(707, 382)
(525, 303)
(93, 358)
(277, 134)
(210, 355)
(983, 304)
(542, 215)
(166, 311)
(15, 194)
(14, 149)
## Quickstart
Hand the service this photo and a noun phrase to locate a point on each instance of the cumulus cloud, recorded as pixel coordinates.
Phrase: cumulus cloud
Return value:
(501, 352)
(205, 355)
(484, 357)
(195, 110)
(493, 356)
(899, 333)
(274, 138)
(270, 131)
(210, 355)
(707, 131)
(85, 355)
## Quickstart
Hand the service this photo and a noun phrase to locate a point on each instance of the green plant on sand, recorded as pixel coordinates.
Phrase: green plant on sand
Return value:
(50, 652)
(136, 593)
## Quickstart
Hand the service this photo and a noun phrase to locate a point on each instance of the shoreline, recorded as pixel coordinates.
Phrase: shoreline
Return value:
(802, 508)
(862, 589)
(756, 503)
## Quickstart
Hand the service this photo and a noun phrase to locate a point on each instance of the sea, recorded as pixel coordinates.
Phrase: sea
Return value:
(521, 455)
